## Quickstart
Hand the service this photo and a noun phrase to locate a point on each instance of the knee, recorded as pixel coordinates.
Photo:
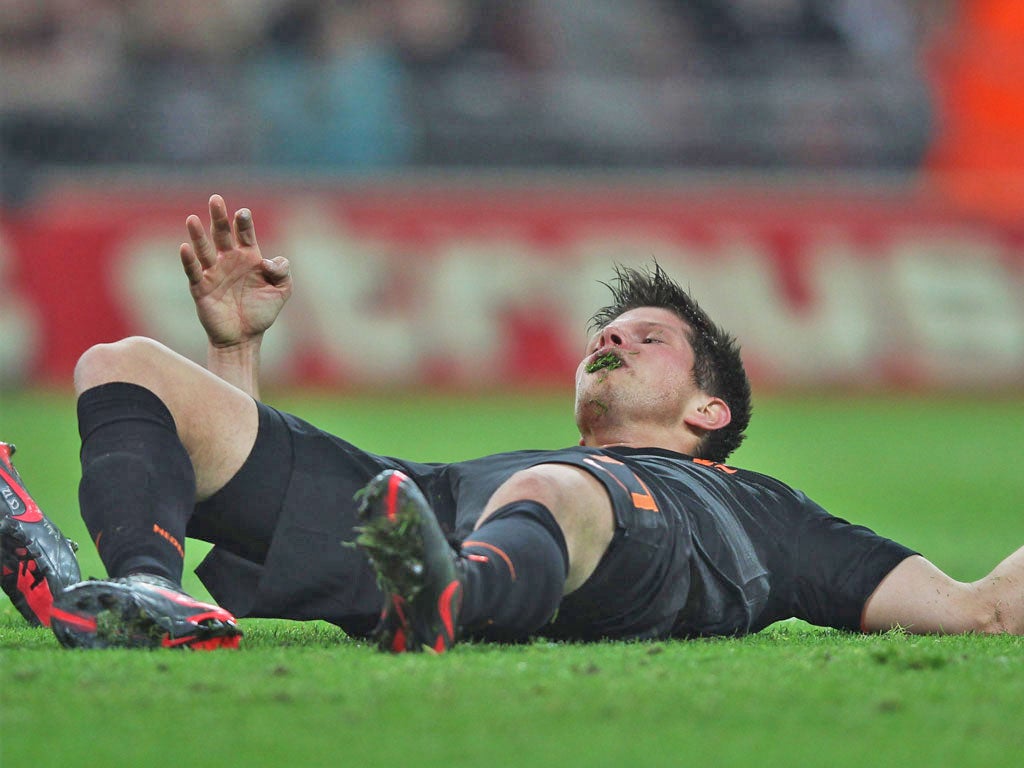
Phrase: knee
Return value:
(578, 503)
(576, 500)
(131, 359)
(538, 484)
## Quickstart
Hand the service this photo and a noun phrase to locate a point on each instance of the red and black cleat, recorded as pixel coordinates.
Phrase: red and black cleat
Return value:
(416, 567)
(140, 611)
(37, 562)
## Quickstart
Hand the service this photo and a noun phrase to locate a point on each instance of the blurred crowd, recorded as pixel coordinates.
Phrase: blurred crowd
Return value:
(370, 84)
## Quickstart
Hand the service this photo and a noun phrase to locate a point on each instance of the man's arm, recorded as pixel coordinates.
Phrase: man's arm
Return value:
(920, 598)
(238, 293)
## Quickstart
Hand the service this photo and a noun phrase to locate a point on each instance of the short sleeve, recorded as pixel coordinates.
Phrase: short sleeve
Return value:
(838, 567)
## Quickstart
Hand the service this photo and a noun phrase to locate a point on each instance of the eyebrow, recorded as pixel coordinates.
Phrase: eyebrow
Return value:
(657, 324)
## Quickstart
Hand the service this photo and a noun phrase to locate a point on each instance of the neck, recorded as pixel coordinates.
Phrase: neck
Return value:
(675, 440)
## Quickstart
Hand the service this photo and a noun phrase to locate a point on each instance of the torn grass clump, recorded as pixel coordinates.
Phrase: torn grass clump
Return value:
(609, 360)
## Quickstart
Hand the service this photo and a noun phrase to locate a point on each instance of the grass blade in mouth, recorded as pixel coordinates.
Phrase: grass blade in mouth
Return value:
(609, 360)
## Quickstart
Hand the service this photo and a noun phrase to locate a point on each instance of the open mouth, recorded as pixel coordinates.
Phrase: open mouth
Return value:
(609, 361)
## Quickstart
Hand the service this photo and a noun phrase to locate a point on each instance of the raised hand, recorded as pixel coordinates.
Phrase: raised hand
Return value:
(238, 293)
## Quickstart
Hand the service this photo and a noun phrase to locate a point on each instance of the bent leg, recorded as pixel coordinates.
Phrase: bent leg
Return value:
(158, 433)
(579, 504)
(215, 421)
(540, 537)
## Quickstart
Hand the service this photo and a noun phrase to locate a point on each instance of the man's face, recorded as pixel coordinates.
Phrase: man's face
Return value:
(637, 370)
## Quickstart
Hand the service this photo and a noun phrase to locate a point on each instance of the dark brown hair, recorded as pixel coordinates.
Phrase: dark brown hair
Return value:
(717, 368)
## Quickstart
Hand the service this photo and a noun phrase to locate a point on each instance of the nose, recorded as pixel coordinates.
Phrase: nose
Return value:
(612, 337)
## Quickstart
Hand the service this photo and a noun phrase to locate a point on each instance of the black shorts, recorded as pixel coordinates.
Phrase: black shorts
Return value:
(283, 531)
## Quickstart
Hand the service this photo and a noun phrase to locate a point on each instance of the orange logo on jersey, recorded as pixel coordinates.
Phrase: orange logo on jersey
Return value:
(715, 465)
(643, 499)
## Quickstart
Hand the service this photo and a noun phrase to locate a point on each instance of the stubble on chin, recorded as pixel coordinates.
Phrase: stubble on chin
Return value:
(596, 399)
(592, 411)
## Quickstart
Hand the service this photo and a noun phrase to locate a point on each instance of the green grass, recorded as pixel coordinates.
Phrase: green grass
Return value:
(941, 475)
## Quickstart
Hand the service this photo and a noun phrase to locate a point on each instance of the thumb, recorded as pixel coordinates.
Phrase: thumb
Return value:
(277, 269)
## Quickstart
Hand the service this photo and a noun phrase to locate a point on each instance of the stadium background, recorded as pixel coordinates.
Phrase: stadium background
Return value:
(839, 181)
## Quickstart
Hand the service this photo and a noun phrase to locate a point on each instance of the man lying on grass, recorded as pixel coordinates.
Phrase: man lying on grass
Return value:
(640, 531)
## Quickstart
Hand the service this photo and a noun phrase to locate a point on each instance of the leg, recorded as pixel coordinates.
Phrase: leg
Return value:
(541, 536)
(920, 598)
(216, 422)
(158, 433)
(578, 503)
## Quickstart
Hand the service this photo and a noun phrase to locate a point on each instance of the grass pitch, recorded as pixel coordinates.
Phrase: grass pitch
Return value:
(941, 475)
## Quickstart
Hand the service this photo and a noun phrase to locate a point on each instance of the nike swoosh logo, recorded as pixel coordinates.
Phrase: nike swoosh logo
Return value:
(23, 508)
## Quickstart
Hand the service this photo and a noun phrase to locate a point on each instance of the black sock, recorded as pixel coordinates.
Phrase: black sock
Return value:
(138, 486)
(516, 564)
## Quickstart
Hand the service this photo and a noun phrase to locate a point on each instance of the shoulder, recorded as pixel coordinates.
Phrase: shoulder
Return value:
(704, 477)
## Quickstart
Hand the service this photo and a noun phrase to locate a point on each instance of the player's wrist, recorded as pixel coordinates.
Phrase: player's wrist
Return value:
(236, 346)
(237, 363)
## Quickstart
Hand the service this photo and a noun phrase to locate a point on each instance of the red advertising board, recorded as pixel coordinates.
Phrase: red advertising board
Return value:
(441, 283)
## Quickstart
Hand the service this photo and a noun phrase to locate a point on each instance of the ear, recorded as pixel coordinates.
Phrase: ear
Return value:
(708, 414)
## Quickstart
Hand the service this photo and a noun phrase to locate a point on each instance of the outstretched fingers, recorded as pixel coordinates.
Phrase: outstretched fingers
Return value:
(227, 235)
(201, 253)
